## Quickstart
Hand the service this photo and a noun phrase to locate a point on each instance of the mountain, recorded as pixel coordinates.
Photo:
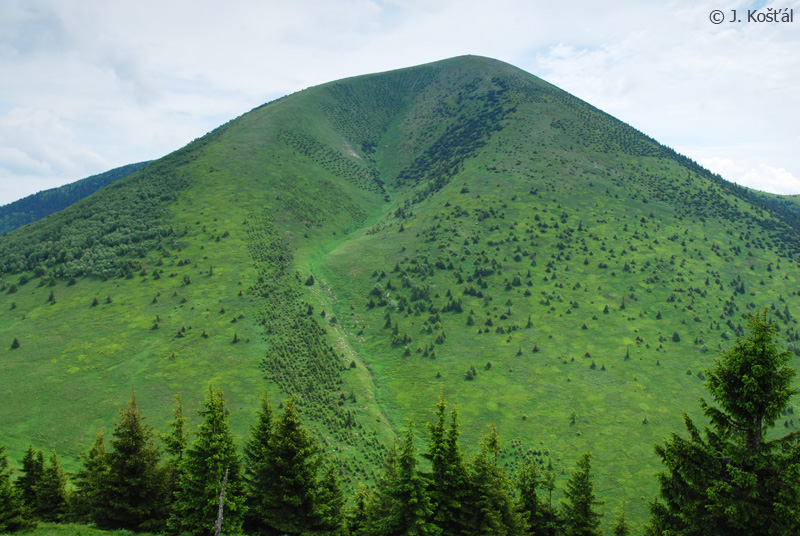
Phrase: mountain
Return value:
(36, 206)
(460, 228)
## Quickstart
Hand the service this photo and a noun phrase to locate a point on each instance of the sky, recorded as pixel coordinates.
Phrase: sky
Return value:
(90, 85)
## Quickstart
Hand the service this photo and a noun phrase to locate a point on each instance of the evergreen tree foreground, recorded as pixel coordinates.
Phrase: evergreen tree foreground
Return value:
(211, 455)
(735, 476)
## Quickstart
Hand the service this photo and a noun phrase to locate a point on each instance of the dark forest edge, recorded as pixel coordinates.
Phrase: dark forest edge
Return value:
(734, 476)
(41, 204)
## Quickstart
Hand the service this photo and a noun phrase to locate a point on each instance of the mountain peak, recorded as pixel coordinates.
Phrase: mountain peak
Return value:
(459, 227)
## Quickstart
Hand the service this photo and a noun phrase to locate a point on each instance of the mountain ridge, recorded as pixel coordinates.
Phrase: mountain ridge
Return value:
(36, 206)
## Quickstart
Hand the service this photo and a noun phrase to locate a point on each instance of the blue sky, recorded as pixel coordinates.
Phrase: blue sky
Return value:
(89, 85)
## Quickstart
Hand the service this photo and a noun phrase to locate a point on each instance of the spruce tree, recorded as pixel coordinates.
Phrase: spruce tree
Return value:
(621, 526)
(412, 510)
(330, 503)
(379, 500)
(528, 503)
(89, 499)
(735, 477)
(289, 494)
(257, 474)
(538, 516)
(27, 483)
(212, 453)
(51, 493)
(449, 484)
(133, 490)
(175, 443)
(357, 515)
(490, 501)
(578, 513)
(12, 509)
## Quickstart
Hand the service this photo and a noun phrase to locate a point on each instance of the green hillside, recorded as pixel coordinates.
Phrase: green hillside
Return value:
(37, 206)
(460, 227)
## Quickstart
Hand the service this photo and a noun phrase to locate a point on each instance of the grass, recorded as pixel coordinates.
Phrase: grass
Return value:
(517, 199)
(73, 529)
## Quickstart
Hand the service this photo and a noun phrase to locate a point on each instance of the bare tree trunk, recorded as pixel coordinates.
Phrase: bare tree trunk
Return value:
(218, 522)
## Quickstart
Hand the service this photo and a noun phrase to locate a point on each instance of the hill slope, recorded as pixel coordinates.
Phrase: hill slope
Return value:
(460, 227)
(36, 206)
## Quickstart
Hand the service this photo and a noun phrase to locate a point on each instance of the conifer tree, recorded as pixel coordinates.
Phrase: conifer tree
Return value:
(257, 472)
(175, 443)
(538, 515)
(88, 500)
(449, 484)
(290, 499)
(212, 453)
(51, 493)
(621, 526)
(379, 502)
(411, 509)
(357, 515)
(552, 519)
(12, 509)
(32, 471)
(133, 489)
(528, 503)
(490, 503)
(731, 478)
(578, 513)
(330, 503)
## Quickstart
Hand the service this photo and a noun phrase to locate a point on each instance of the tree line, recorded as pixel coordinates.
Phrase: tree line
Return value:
(733, 476)
(284, 484)
(36, 206)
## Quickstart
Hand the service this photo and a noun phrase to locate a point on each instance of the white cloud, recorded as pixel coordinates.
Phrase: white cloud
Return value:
(760, 176)
(771, 179)
(714, 93)
(37, 150)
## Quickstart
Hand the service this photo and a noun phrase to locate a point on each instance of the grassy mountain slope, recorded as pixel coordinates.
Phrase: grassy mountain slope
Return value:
(460, 227)
(36, 206)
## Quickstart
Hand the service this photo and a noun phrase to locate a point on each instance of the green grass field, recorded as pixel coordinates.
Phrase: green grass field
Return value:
(73, 529)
